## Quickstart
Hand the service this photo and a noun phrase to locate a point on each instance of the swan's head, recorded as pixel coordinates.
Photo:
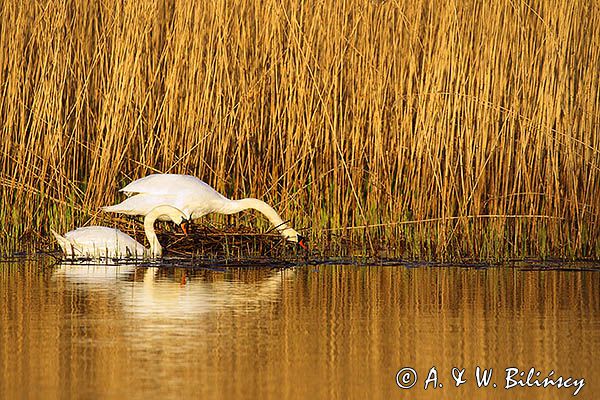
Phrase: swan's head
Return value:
(292, 236)
(185, 226)
(182, 221)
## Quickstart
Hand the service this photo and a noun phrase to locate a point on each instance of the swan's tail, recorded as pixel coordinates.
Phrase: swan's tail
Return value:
(129, 206)
(64, 244)
(122, 208)
(140, 204)
(114, 208)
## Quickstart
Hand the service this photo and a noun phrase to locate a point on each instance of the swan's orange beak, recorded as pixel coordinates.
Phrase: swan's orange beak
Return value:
(185, 226)
(302, 242)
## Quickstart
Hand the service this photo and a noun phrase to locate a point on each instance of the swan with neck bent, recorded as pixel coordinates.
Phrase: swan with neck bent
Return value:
(195, 198)
(102, 241)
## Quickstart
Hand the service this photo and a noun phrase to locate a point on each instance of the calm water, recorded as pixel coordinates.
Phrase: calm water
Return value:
(309, 332)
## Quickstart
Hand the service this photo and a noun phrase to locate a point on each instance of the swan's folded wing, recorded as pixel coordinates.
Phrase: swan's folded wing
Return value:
(166, 184)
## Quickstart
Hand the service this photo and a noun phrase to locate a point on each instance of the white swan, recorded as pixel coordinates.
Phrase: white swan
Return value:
(195, 198)
(101, 241)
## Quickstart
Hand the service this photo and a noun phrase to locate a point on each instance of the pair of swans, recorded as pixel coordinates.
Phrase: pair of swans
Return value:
(166, 197)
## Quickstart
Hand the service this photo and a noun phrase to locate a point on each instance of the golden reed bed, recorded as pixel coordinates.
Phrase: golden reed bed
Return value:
(443, 129)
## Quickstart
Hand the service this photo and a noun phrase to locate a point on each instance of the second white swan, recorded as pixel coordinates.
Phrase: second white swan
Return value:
(104, 242)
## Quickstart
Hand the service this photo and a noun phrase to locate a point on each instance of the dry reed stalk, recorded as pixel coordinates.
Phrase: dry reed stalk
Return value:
(415, 120)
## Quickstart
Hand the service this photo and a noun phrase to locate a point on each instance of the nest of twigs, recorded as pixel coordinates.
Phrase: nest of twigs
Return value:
(228, 242)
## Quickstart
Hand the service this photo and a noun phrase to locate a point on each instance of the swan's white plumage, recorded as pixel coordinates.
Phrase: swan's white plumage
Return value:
(142, 204)
(187, 193)
(99, 242)
(171, 184)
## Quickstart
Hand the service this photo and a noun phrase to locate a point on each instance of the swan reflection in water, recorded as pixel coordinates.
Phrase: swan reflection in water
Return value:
(176, 293)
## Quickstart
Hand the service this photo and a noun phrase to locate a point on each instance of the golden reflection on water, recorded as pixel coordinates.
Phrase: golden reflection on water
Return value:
(320, 332)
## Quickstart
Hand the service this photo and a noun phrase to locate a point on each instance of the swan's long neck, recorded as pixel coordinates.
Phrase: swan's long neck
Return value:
(172, 213)
(235, 206)
(155, 247)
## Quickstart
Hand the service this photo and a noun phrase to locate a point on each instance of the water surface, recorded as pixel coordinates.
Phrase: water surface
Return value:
(307, 332)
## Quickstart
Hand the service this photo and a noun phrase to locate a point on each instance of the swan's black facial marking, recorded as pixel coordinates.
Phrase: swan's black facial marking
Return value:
(185, 226)
(302, 242)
